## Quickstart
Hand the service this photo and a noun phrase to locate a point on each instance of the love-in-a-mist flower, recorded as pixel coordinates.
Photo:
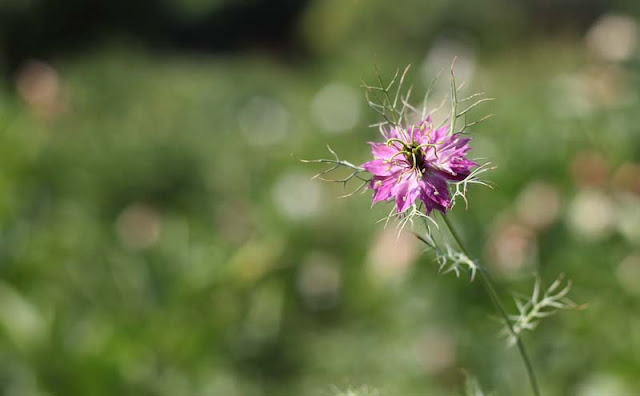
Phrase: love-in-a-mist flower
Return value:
(418, 162)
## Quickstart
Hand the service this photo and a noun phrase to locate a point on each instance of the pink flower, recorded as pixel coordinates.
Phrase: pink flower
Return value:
(417, 163)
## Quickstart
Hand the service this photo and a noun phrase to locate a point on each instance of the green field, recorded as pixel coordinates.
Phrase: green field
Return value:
(158, 235)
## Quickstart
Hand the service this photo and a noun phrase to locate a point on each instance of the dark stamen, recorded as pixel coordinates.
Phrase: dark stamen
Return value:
(415, 157)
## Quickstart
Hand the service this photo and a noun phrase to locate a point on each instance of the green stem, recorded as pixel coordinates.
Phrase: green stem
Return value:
(488, 284)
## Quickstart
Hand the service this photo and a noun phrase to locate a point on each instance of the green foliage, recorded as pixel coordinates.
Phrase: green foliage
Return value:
(158, 238)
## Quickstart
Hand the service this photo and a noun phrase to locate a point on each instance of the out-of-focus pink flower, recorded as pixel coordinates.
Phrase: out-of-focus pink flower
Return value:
(41, 88)
(417, 163)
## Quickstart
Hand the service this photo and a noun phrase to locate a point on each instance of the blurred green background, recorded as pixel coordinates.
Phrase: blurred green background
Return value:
(159, 237)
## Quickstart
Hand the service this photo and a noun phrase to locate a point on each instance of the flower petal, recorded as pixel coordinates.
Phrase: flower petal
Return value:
(449, 158)
(406, 191)
(381, 167)
(382, 151)
(434, 192)
(382, 187)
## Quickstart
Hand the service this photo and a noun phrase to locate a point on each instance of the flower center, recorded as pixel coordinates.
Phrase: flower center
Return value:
(412, 152)
(415, 156)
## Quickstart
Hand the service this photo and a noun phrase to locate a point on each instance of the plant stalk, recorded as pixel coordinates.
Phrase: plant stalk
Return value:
(488, 284)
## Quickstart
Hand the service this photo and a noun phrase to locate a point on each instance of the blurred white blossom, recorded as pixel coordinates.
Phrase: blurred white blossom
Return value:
(613, 37)
(336, 108)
